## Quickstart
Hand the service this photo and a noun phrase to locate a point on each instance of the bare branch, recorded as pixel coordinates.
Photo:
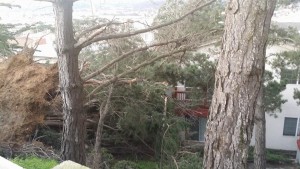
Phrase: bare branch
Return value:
(125, 80)
(174, 160)
(125, 55)
(90, 37)
(128, 34)
(218, 40)
(114, 79)
(107, 126)
(87, 31)
(26, 41)
(82, 65)
(38, 42)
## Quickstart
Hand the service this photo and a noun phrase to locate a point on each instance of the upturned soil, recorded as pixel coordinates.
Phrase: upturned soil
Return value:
(26, 94)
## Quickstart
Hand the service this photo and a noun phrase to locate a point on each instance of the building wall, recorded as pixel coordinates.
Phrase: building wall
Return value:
(274, 126)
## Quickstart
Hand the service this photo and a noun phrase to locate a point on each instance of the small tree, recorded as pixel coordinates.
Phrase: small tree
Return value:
(271, 100)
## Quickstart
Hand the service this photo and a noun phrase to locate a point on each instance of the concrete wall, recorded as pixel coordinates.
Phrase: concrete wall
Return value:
(6, 164)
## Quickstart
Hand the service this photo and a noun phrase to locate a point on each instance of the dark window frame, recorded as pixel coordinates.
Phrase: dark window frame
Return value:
(290, 126)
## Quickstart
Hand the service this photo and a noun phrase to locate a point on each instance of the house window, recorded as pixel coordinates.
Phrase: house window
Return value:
(290, 125)
(202, 128)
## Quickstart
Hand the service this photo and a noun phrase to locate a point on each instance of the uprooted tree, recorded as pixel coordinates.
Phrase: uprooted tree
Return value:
(70, 82)
(24, 94)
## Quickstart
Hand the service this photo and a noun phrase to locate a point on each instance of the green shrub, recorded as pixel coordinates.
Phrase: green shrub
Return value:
(35, 162)
(188, 161)
(107, 159)
(251, 153)
(185, 161)
(50, 137)
(126, 165)
(147, 165)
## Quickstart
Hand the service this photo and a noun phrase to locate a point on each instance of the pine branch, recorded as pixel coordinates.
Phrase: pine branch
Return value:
(123, 80)
(125, 55)
(114, 79)
(128, 34)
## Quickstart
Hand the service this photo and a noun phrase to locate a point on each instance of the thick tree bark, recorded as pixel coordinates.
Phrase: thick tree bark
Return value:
(260, 132)
(71, 85)
(238, 81)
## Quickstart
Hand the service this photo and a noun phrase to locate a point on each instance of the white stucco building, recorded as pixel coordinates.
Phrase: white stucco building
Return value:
(281, 131)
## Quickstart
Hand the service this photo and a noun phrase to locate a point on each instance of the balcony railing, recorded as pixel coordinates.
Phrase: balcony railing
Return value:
(185, 105)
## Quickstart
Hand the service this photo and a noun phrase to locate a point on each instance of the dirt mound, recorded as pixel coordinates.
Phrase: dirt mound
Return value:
(26, 88)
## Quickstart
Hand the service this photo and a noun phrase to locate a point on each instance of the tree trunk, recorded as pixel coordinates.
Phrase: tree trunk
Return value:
(260, 134)
(238, 81)
(97, 148)
(71, 86)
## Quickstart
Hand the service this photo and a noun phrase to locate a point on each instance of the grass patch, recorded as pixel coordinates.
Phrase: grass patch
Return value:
(272, 156)
(34, 162)
(276, 157)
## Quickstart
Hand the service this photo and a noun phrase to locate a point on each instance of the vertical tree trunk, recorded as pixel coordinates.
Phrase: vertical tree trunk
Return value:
(238, 81)
(260, 134)
(71, 86)
(97, 148)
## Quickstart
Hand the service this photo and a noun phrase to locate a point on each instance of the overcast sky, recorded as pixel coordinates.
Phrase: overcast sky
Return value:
(285, 15)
